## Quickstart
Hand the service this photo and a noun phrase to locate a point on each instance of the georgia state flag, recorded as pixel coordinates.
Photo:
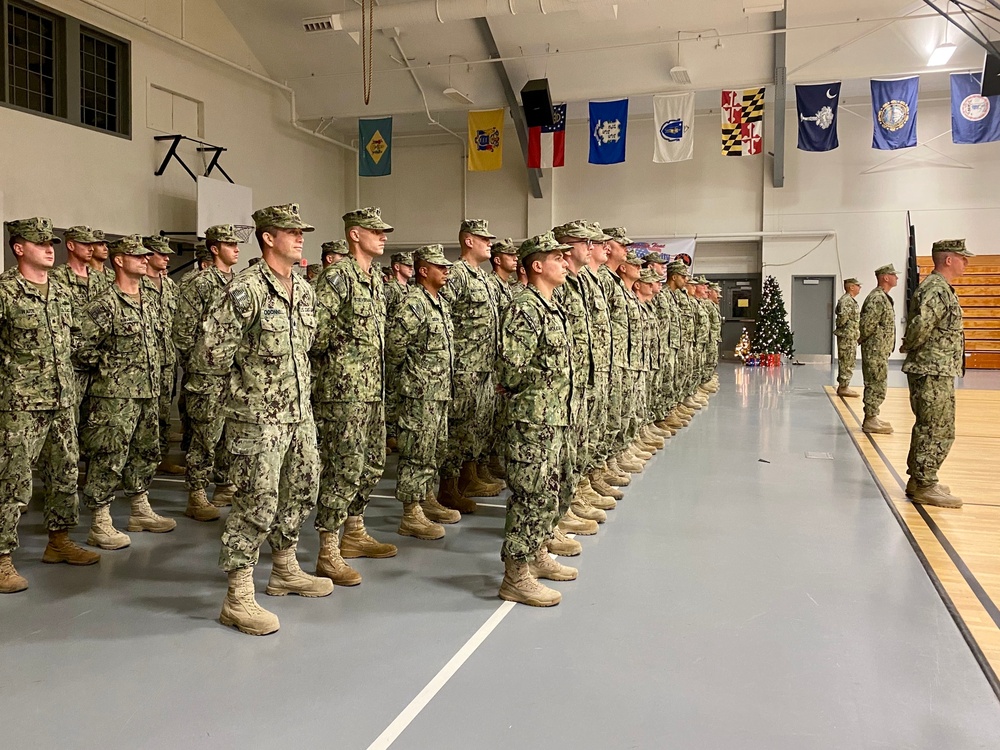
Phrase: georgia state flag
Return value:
(547, 145)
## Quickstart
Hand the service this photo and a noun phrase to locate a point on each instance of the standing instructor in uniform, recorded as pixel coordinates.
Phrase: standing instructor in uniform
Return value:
(847, 333)
(878, 337)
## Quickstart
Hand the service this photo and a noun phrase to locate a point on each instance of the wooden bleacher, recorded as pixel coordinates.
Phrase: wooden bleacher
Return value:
(979, 292)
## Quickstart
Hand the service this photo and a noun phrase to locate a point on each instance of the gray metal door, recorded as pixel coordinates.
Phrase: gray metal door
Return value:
(812, 317)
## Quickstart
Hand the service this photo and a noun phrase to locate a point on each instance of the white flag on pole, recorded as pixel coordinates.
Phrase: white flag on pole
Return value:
(674, 118)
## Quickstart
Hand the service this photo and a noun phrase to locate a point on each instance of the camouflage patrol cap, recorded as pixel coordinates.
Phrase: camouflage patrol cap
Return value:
(649, 276)
(335, 246)
(158, 245)
(433, 254)
(852, 280)
(714, 286)
(577, 230)
(82, 234)
(504, 247)
(222, 233)
(632, 259)
(37, 229)
(886, 270)
(130, 244)
(678, 267)
(404, 259)
(201, 252)
(314, 269)
(618, 235)
(99, 234)
(366, 218)
(701, 281)
(280, 217)
(540, 243)
(952, 246)
(656, 258)
(601, 235)
(478, 227)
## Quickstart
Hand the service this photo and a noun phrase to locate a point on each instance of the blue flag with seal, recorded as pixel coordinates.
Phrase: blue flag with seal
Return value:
(974, 118)
(608, 126)
(375, 152)
(817, 106)
(894, 111)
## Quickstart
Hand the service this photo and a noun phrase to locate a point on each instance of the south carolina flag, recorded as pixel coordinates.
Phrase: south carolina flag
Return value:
(547, 145)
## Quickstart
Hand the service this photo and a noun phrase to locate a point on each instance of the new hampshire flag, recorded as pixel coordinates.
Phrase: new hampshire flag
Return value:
(894, 112)
(608, 125)
(974, 118)
(375, 154)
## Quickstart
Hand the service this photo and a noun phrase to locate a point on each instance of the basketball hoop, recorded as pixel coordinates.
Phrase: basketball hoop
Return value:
(244, 231)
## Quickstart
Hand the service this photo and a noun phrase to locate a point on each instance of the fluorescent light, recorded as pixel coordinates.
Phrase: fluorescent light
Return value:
(680, 75)
(457, 96)
(941, 55)
(762, 6)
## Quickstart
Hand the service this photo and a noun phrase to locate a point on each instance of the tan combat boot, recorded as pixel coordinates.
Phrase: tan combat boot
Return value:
(497, 468)
(288, 578)
(62, 549)
(451, 497)
(471, 485)
(562, 545)
(414, 523)
(169, 467)
(604, 491)
(543, 566)
(199, 508)
(103, 533)
(10, 580)
(331, 565)
(223, 495)
(437, 512)
(573, 524)
(486, 476)
(626, 462)
(636, 451)
(240, 608)
(651, 439)
(358, 543)
(912, 486)
(142, 517)
(691, 404)
(935, 495)
(873, 426)
(883, 423)
(845, 391)
(615, 476)
(581, 508)
(520, 586)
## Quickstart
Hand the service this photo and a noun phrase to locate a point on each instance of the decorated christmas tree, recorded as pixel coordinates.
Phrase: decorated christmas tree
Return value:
(772, 335)
(743, 347)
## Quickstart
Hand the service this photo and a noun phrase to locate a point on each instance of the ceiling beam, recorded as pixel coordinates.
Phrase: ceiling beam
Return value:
(516, 113)
(780, 99)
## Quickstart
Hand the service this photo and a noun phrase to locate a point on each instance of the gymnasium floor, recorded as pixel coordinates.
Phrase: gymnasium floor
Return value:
(753, 590)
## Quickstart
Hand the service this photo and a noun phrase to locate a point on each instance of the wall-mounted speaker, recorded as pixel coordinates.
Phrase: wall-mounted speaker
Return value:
(991, 76)
(537, 103)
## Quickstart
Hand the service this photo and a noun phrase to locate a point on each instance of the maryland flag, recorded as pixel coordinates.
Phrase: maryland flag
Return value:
(743, 122)
(486, 140)
(375, 154)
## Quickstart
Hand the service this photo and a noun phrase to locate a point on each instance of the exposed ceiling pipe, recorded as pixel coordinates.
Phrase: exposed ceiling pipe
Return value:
(420, 12)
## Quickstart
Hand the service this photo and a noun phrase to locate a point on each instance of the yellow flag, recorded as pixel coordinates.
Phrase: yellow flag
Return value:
(485, 140)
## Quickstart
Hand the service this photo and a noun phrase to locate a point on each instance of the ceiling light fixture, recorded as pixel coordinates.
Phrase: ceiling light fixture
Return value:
(457, 96)
(941, 54)
(680, 75)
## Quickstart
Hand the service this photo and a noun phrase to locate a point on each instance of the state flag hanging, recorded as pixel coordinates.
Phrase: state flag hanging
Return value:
(547, 144)
(673, 115)
(817, 107)
(743, 122)
(894, 112)
(486, 140)
(974, 118)
(608, 128)
(375, 154)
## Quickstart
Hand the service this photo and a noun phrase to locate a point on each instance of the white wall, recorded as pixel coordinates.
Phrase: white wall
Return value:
(79, 176)
(863, 195)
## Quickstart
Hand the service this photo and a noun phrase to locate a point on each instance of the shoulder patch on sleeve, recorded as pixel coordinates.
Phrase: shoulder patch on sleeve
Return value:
(241, 301)
(101, 311)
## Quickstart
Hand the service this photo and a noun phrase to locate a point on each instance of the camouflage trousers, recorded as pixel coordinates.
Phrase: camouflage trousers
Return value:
(847, 352)
(208, 459)
(48, 438)
(276, 473)
(423, 443)
(708, 363)
(667, 398)
(494, 445)
(471, 418)
(82, 405)
(652, 392)
(351, 436)
(577, 450)
(932, 400)
(616, 407)
(121, 437)
(538, 464)
(392, 405)
(682, 372)
(875, 369)
(633, 405)
(168, 388)
(598, 405)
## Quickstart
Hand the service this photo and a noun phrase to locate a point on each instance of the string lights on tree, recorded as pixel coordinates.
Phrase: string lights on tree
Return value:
(772, 337)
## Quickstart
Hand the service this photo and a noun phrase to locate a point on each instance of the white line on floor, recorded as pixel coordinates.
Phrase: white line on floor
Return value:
(424, 697)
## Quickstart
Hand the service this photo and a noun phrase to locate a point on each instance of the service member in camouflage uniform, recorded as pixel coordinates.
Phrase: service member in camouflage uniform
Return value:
(877, 327)
(535, 370)
(847, 333)
(99, 256)
(631, 436)
(348, 388)
(118, 343)
(395, 291)
(420, 348)
(473, 409)
(677, 277)
(661, 392)
(646, 288)
(37, 400)
(708, 340)
(207, 456)
(253, 359)
(934, 345)
(334, 251)
(714, 290)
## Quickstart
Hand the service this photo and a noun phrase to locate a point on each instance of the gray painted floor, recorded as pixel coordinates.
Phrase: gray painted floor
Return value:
(741, 597)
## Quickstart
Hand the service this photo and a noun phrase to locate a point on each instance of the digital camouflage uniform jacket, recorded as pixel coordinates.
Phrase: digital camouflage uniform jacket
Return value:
(166, 301)
(670, 317)
(35, 343)
(476, 318)
(622, 335)
(685, 306)
(877, 324)
(395, 293)
(570, 298)
(258, 339)
(117, 342)
(934, 340)
(600, 320)
(420, 346)
(715, 325)
(535, 367)
(82, 290)
(195, 299)
(848, 326)
(349, 353)
(503, 292)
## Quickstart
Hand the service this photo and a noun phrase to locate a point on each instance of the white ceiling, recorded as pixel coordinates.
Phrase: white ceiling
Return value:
(587, 55)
